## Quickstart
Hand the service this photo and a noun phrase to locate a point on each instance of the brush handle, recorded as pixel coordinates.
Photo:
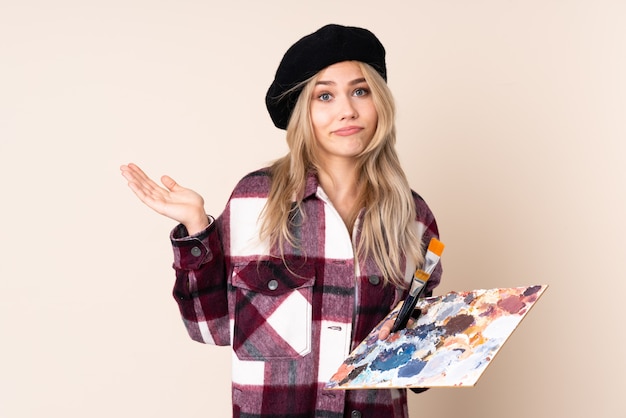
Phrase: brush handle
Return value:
(406, 310)
(405, 313)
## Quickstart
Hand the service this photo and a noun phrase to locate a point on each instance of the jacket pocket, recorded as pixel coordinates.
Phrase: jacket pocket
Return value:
(273, 313)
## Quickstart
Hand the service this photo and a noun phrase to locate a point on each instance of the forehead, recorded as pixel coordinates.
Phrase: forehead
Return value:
(342, 71)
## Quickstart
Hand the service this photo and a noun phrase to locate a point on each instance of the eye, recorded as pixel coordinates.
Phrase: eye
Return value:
(325, 97)
(360, 92)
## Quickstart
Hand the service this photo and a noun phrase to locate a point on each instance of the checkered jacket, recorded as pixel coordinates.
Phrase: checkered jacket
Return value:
(290, 325)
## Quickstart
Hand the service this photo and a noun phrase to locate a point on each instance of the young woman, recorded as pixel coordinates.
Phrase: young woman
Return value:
(312, 252)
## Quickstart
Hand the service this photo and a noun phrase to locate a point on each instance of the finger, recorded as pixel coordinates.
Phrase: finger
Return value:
(133, 173)
(141, 176)
(134, 170)
(169, 183)
(137, 185)
(128, 173)
(144, 188)
(144, 194)
(384, 334)
(142, 183)
(385, 330)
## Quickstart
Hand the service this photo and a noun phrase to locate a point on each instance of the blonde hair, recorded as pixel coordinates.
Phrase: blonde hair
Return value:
(387, 231)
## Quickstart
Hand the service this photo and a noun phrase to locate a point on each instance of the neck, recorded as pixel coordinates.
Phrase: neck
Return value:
(340, 185)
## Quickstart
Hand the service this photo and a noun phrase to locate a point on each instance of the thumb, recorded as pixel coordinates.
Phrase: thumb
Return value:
(169, 183)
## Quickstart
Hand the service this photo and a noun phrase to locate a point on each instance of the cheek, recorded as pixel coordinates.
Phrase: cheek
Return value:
(372, 117)
(368, 110)
(319, 119)
(375, 118)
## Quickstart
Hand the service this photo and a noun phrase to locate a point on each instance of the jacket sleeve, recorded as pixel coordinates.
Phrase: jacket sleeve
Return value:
(201, 284)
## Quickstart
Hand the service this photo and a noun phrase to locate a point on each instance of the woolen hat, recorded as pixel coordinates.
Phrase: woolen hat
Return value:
(326, 46)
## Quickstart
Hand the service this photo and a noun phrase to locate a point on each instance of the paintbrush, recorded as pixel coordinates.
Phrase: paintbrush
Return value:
(418, 284)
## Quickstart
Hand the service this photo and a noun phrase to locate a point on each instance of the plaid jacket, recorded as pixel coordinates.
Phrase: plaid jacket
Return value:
(290, 326)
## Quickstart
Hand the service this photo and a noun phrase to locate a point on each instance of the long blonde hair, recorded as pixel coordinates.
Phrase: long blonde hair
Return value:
(387, 230)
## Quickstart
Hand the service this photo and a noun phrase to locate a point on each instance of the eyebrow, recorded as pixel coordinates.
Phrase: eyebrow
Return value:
(330, 83)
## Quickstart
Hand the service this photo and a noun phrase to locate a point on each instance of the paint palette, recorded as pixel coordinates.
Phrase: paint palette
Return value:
(452, 343)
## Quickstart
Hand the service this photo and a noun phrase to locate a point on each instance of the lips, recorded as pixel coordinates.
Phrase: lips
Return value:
(348, 130)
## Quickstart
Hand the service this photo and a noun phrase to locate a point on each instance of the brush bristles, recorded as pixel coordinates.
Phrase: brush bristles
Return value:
(421, 275)
(436, 246)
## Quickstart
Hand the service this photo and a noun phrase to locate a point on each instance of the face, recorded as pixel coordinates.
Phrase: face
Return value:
(342, 112)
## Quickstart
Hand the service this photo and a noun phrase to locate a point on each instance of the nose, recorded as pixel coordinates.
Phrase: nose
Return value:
(347, 109)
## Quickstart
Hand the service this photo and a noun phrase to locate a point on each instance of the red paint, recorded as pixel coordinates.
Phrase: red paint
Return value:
(512, 304)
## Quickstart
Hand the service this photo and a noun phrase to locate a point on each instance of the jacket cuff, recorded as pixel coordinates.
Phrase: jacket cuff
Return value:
(191, 251)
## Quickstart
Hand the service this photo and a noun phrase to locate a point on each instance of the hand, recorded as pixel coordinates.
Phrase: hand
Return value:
(385, 330)
(174, 201)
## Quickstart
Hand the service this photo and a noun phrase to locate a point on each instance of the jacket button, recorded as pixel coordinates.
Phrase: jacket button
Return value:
(272, 284)
(195, 251)
(355, 414)
(374, 280)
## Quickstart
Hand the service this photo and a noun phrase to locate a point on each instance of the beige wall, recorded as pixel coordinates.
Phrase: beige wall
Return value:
(511, 122)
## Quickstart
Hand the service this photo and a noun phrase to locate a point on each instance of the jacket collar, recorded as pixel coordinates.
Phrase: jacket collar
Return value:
(312, 183)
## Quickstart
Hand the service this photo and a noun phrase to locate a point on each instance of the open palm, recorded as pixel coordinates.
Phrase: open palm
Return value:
(174, 201)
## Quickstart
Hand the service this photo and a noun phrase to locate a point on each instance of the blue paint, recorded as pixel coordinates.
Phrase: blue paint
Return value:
(393, 358)
(450, 297)
(412, 368)
(421, 331)
(469, 299)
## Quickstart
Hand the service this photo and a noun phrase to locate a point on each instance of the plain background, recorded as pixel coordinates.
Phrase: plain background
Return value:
(511, 126)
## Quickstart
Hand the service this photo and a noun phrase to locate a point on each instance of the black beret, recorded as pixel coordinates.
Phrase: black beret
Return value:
(326, 46)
